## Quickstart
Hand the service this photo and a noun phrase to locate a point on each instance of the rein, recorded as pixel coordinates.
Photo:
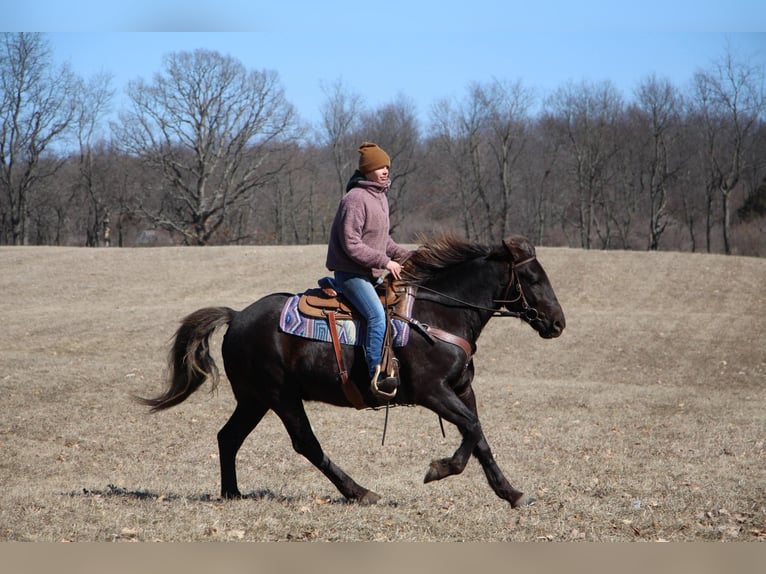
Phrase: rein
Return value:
(528, 313)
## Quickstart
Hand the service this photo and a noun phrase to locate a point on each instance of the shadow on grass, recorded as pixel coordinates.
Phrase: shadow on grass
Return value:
(112, 491)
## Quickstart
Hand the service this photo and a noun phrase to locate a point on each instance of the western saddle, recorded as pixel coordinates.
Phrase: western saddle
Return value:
(325, 302)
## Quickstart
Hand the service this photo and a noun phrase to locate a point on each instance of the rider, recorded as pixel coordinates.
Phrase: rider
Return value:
(361, 249)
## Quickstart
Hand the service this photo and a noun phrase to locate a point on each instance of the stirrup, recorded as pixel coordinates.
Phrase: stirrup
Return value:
(383, 386)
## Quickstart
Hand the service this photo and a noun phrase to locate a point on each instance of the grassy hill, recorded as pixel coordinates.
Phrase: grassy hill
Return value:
(644, 421)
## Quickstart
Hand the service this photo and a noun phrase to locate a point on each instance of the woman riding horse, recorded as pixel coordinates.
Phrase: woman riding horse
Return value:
(460, 287)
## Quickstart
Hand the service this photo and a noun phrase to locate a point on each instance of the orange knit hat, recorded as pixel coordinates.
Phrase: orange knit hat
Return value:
(371, 157)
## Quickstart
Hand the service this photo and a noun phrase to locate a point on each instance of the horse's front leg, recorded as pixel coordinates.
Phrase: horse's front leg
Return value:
(448, 405)
(497, 479)
(483, 453)
(445, 402)
(444, 467)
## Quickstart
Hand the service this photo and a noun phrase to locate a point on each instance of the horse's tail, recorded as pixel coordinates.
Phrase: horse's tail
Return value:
(189, 360)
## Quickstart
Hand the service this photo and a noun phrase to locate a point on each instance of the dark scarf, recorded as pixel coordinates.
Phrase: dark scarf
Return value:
(358, 180)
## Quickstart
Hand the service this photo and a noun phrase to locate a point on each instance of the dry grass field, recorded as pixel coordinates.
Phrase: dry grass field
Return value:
(645, 421)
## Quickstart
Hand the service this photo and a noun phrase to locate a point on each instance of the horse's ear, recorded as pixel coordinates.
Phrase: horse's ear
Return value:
(519, 247)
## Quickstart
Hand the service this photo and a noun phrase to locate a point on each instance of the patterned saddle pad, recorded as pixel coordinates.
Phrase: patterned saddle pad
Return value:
(350, 331)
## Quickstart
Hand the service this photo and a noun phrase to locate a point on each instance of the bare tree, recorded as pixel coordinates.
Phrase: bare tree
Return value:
(208, 125)
(93, 100)
(472, 119)
(290, 205)
(492, 123)
(658, 112)
(541, 175)
(730, 100)
(507, 107)
(588, 114)
(484, 135)
(340, 126)
(36, 110)
(453, 144)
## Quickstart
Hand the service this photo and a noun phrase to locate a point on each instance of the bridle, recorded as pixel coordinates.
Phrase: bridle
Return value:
(527, 313)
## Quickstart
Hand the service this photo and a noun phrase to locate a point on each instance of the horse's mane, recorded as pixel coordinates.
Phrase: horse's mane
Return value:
(438, 253)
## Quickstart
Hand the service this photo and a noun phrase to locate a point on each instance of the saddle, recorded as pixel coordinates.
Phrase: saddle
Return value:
(320, 301)
(326, 303)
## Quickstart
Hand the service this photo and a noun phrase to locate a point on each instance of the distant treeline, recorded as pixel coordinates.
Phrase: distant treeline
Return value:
(209, 152)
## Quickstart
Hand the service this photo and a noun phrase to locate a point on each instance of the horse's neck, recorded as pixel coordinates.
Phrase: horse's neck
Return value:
(474, 283)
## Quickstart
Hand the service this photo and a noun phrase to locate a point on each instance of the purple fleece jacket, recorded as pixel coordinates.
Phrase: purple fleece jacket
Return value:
(359, 237)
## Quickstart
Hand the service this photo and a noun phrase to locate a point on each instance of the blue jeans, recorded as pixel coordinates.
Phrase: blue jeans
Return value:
(360, 291)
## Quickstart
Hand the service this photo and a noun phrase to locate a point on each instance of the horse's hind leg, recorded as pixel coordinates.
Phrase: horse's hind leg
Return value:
(241, 423)
(305, 443)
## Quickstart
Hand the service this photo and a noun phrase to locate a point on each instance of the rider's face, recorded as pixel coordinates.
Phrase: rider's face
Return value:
(379, 175)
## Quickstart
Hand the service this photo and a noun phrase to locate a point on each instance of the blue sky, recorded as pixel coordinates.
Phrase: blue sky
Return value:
(425, 51)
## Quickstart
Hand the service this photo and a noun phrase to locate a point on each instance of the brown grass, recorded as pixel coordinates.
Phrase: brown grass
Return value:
(645, 421)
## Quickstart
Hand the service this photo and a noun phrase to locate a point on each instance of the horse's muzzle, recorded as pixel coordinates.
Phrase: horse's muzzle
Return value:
(549, 330)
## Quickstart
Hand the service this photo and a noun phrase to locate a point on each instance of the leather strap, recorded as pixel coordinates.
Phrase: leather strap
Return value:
(349, 388)
(430, 332)
(450, 338)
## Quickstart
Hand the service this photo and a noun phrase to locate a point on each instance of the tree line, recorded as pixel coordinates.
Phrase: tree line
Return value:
(210, 152)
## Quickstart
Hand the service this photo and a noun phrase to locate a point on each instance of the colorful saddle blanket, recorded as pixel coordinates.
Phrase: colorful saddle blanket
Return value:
(350, 331)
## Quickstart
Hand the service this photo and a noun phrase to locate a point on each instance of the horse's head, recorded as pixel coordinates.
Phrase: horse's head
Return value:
(454, 271)
(529, 292)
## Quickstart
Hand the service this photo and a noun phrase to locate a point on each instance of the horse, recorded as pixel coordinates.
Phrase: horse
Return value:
(459, 286)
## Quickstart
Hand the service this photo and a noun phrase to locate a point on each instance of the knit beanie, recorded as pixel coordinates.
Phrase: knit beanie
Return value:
(371, 157)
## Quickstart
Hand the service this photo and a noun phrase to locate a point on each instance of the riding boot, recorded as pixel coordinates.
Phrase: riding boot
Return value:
(383, 385)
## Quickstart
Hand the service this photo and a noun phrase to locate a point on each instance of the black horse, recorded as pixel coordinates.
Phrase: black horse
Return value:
(460, 286)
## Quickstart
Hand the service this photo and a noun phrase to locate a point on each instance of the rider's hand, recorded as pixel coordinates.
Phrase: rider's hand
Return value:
(395, 269)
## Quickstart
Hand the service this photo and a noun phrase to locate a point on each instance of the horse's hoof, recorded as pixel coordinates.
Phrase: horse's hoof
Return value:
(437, 470)
(523, 500)
(369, 497)
(231, 494)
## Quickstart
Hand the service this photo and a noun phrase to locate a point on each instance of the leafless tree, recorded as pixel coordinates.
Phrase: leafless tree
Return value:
(339, 131)
(588, 113)
(37, 107)
(208, 125)
(542, 177)
(657, 111)
(730, 101)
(472, 118)
(485, 134)
(290, 210)
(93, 101)
(507, 115)
(455, 145)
